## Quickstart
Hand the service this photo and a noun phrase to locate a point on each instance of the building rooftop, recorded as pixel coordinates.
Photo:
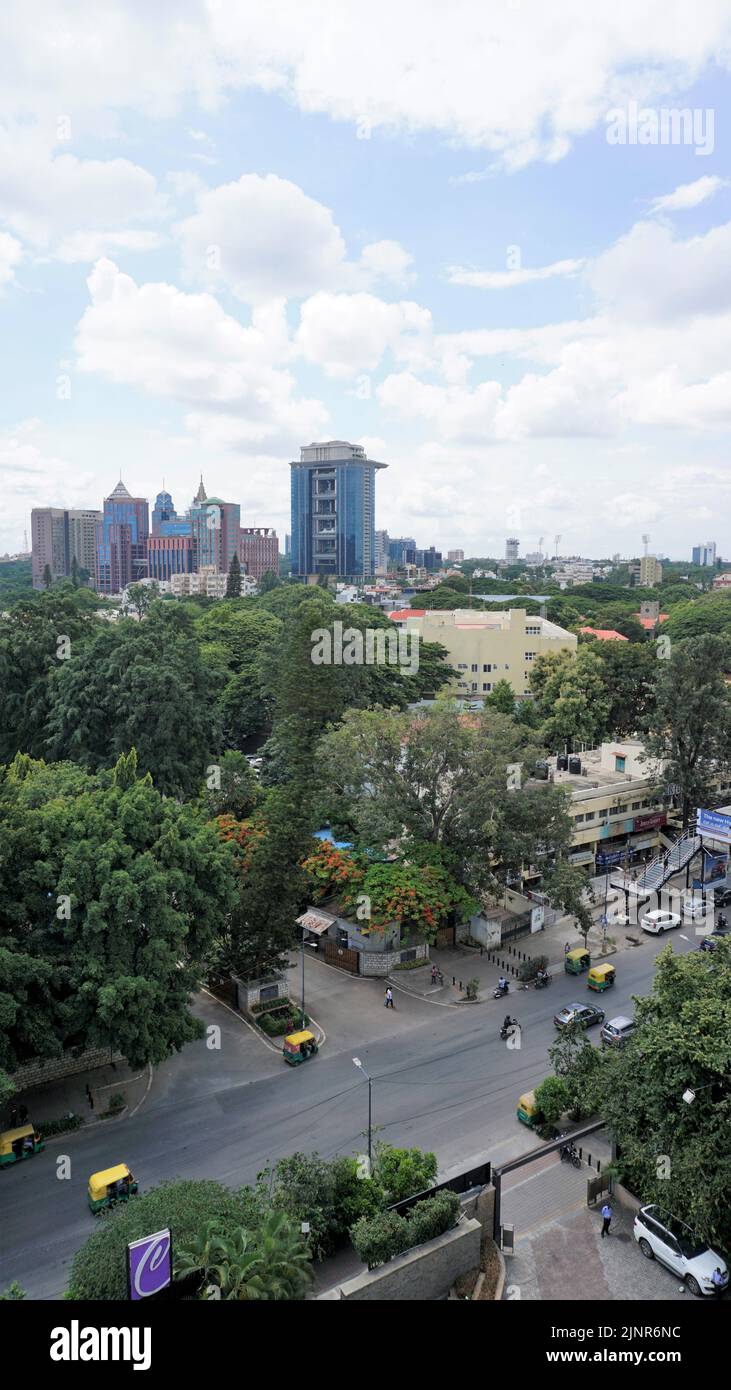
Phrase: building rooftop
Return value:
(607, 634)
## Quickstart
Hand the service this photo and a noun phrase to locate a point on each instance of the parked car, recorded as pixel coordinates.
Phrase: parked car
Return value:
(662, 1237)
(659, 921)
(695, 909)
(583, 1014)
(617, 1030)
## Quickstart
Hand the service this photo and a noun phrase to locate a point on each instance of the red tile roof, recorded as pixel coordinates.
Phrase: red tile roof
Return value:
(649, 623)
(604, 634)
(400, 615)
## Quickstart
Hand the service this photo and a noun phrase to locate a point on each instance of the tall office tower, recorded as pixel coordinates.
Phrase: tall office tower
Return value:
(431, 559)
(704, 554)
(215, 527)
(287, 544)
(169, 555)
(58, 536)
(121, 541)
(163, 510)
(258, 550)
(401, 551)
(455, 555)
(381, 553)
(49, 543)
(512, 546)
(333, 510)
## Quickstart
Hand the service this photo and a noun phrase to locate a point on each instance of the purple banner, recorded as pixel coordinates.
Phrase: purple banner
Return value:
(149, 1265)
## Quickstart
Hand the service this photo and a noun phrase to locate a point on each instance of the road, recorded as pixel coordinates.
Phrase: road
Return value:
(443, 1081)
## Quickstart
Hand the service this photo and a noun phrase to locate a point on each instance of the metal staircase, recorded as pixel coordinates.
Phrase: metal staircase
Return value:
(661, 868)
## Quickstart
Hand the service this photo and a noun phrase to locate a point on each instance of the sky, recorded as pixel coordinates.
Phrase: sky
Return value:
(463, 236)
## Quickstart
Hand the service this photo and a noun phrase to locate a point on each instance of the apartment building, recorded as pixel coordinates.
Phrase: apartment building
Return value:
(485, 648)
(650, 572)
(208, 583)
(616, 809)
(258, 550)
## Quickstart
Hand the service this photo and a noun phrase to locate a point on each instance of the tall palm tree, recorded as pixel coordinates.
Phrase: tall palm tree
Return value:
(271, 1262)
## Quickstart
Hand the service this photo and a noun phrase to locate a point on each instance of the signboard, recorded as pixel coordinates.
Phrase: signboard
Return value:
(714, 825)
(713, 870)
(651, 822)
(149, 1265)
(612, 856)
(537, 916)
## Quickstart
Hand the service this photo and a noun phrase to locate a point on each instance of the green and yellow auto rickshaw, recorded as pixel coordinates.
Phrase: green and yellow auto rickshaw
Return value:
(110, 1186)
(16, 1144)
(601, 977)
(577, 961)
(528, 1112)
(299, 1046)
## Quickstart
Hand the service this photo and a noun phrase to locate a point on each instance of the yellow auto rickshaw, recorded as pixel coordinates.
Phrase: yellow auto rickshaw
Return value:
(110, 1186)
(528, 1112)
(577, 961)
(601, 977)
(19, 1143)
(299, 1046)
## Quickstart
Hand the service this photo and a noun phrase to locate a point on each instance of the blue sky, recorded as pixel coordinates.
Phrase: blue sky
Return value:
(226, 232)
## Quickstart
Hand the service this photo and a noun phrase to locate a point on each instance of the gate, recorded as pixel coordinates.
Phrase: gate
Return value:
(445, 938)
(225, 988)
(341, 956)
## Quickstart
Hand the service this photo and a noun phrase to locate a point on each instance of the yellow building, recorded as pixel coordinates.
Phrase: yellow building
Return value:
(485, 648)
(650, 572)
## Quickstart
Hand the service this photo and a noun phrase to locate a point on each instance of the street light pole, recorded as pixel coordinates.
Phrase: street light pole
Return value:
(357, 1063)
(302, 949)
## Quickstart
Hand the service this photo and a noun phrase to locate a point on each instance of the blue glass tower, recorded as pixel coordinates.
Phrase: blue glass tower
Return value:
(333, 511)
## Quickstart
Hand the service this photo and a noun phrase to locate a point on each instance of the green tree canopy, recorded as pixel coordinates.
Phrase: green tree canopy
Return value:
(690, 726)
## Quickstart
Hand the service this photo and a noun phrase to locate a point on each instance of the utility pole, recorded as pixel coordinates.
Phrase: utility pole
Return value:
(302, 949)
(357, 1063)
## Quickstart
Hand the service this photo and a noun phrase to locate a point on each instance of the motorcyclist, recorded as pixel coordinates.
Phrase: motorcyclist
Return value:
(541, 976)
(507, 1023)
(502, 985)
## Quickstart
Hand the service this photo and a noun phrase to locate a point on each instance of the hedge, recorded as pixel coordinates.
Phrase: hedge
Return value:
(380, 1238)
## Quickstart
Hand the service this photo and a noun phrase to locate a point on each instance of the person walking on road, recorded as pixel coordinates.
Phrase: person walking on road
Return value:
(388, 1001)
(606, 1219)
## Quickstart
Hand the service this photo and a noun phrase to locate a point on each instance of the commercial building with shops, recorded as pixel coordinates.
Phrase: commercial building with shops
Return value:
(618, 811)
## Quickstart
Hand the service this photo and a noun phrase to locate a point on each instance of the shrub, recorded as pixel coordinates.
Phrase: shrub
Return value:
(276, 1027)
(99, 1267)
(328, 1193)
(403, 1173)
(553, 1096)
(268, 1006)
(61, 1126)
(471, 989)
(386, 1235)
(13, 1293)
(528, 969)
(411, 964)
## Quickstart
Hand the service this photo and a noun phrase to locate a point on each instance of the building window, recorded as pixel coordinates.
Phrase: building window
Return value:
(530, 656)
(461, 665)
(474, 666)
(488, 667)
(636, 805)
(619, 763)
(578, 818)
(590, 815)
(487, 685)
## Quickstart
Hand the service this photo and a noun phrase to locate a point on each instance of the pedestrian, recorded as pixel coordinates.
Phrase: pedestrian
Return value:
(23, 1114)
(434, 974)
(566, 947)
(13, 1117)
(719, 1281)
(606, 1219)
(388, 1001)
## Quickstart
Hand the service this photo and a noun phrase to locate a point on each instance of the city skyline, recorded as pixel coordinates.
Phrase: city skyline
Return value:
(522, 303)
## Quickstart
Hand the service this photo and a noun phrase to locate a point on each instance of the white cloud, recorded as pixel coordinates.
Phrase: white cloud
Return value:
(348, 333)
(11, 252)
(689, 195)
(650, 274)
(91, 246)
(507, 279)
(263, 237)
(46, 197)
(162, 341)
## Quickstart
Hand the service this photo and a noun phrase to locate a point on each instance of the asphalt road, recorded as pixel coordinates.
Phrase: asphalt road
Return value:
(442, 1080)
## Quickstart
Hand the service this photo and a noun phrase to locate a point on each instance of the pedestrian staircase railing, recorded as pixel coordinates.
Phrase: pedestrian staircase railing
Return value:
(661, 868)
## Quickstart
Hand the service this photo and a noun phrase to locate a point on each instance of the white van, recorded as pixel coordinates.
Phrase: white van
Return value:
(659, 921)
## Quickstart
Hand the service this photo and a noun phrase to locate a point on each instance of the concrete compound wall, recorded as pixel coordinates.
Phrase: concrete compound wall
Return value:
(44, 1069)
(425, 1273)
(382, 962)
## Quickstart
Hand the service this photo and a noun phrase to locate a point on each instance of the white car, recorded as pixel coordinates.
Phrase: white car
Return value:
(662, 1237)
(695, 909)
(657, 922)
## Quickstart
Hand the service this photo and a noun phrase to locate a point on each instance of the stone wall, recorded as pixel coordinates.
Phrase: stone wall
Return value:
(425, 1273)
(382, 962)
(249, 991)
(41, 1070)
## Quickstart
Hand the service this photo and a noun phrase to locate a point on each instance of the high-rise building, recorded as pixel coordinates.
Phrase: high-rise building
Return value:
(704, 554)
(59, 535)
(163, 510)
(455, 555)
(512, 546)
(650, 572)
(169, 555)
(381, 557)
(287, 544)
(215, 526)
(258, 550)
(121, 541)
(333, 510)
(401, 551)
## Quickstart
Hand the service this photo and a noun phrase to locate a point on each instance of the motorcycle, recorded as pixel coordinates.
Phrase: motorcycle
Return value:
(569, 1154)
(507, 1030)
(542, 982)
(498, 994)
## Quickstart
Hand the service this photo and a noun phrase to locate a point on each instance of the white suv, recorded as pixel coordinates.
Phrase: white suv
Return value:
(657, 922)
(662, 1237)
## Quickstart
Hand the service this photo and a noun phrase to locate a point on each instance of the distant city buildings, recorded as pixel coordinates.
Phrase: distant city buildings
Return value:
(58, 536)
(512, 546)
(258, 550)
(704, 554)
(121, 541)
(333, 510)
(455, 556)
(650, 572)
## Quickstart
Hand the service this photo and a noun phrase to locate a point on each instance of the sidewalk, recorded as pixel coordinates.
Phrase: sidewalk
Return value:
(57, 1098)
